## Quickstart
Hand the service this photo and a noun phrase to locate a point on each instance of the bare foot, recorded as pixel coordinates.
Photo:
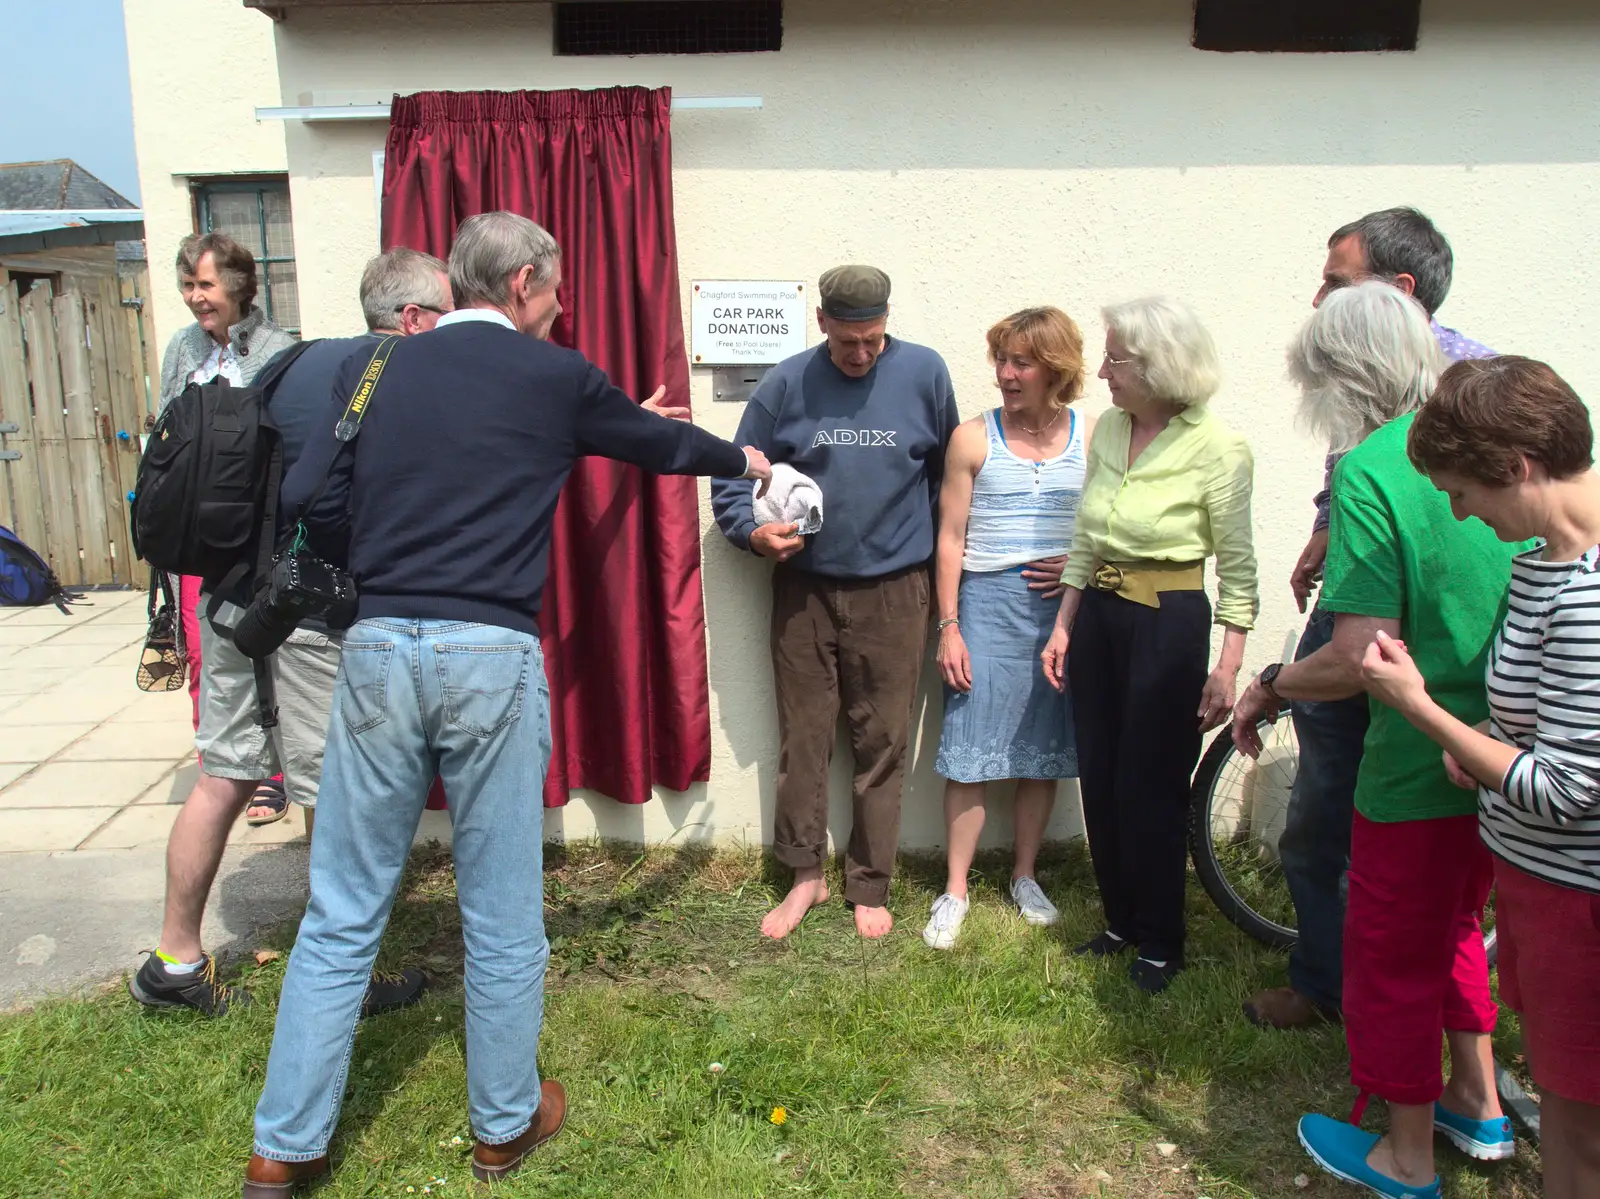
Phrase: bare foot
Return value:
(873, 922)
(1383, 1160)
(786, 917)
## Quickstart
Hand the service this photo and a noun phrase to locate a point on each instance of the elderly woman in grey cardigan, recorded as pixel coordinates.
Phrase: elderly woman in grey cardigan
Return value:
(233, 340)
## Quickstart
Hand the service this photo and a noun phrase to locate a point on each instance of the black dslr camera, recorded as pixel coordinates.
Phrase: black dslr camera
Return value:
(300, 586)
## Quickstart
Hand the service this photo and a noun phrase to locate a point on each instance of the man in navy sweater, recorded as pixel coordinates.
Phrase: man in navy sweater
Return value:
(867, 418)
(445, 502)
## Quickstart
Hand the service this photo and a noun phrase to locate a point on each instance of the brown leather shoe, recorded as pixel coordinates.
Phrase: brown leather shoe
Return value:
(268, 1179)
(493, 1162)
(1286, 1008)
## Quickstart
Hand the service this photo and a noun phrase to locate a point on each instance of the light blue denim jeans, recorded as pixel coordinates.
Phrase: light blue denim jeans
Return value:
(413, 697)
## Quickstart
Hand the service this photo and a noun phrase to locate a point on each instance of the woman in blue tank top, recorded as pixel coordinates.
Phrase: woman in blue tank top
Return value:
(1012, 481)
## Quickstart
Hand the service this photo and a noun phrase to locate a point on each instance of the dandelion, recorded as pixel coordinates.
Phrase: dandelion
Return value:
(779, 1116)
(716, 1067)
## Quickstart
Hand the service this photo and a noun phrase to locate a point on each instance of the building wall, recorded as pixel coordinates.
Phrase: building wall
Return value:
(198, 69)
(991, 154)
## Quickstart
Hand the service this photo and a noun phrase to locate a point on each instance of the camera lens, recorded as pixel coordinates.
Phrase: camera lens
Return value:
(260, 630)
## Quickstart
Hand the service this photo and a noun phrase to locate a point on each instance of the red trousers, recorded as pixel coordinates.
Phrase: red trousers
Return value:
(188, 605)
(1414, 964)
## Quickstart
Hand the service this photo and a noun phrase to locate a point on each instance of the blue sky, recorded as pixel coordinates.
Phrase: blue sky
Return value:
(64, 91)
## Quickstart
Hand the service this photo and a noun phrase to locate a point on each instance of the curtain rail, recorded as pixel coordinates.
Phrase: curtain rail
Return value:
(380, 112)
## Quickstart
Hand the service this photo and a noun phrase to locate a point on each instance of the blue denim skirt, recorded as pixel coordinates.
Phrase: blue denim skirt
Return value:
(1012, 724)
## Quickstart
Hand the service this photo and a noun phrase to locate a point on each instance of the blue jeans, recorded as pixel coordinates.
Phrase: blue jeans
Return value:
(413, 697)
(1315, 846)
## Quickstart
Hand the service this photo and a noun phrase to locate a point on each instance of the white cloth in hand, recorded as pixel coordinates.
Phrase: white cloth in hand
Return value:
(792, 499)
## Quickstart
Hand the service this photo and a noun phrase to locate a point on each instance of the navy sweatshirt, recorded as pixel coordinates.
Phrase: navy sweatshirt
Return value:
(874, 445)
(445, 498)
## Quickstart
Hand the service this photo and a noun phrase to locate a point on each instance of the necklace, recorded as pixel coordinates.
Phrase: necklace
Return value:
(1044, 428)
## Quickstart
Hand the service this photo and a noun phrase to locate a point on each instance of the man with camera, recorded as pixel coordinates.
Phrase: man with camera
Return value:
(445, 501)
(402, 293)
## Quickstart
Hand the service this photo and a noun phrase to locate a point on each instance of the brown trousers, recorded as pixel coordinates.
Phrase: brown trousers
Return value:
(859, 642)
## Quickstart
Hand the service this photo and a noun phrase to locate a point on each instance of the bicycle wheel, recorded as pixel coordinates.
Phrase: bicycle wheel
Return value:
(1236, 813)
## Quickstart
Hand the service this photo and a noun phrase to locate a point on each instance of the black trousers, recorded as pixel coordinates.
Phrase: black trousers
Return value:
(1136, 675)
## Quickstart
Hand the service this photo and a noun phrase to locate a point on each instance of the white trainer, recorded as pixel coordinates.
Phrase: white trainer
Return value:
(945, 926)
(1031, 902)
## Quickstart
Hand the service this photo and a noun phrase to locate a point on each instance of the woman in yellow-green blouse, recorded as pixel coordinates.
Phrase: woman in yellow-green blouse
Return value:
(1167, 486)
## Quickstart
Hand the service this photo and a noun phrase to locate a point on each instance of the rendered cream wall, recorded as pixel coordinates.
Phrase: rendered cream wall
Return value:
(995, 154)
(198, 68)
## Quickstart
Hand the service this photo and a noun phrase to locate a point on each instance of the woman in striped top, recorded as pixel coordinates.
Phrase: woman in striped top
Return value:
(1511, 444)
(1012, 480)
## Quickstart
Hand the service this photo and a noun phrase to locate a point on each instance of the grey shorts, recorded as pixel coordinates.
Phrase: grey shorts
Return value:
(231, 741)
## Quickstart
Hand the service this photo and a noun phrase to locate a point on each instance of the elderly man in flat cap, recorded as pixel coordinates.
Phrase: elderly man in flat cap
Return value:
(866, 417)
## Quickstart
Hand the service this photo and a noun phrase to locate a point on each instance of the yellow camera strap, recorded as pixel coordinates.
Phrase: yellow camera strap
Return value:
(350, 423)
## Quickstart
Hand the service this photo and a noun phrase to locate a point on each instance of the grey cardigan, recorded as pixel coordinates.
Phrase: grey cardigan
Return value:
(255, 340)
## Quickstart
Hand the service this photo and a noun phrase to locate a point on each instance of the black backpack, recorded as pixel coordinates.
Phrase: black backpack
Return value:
(208, 481)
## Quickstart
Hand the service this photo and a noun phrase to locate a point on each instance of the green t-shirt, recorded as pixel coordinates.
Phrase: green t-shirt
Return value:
(1396, 552)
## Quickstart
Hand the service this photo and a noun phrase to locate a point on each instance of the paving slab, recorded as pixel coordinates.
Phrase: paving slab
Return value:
(35, 743)
(175, 788)
(24, 830)
(83, 784)
(136, 824)
(165, 740)
(64, 703)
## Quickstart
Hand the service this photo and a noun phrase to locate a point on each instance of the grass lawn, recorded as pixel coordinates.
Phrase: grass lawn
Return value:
(1005, 1068)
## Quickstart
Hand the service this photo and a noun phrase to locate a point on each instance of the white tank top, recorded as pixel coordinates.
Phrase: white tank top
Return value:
(1023, 511)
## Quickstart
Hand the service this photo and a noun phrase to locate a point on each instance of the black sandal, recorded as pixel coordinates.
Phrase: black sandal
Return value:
(268, 795)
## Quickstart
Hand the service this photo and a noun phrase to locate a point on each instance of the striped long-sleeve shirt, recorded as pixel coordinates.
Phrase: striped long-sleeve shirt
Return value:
(1544, 699)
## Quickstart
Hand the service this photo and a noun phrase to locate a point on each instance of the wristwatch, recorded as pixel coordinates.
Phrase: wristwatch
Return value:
(1267, 678)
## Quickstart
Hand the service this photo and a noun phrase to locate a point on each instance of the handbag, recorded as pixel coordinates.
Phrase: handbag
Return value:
(162, 664)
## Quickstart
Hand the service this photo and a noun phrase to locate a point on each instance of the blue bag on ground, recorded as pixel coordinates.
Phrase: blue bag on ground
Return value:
(26, 579)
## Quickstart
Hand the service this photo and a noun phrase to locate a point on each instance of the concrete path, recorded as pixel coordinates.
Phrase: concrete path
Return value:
(92, 774)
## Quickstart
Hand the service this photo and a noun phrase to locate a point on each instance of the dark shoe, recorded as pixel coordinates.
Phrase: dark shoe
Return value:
(155, 986)
(1286, 1008)
(1151, 978)
(268, 795)
(387, 992)
(268, 1179)
(1102, 946)
(493, 1162)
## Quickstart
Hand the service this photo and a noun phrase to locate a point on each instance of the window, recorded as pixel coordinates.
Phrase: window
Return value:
(1304, 27)
(255, 213)
(669, 27)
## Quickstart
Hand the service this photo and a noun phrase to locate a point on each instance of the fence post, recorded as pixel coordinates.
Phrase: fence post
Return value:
(74, 346)
(20, 494)
(50, 436)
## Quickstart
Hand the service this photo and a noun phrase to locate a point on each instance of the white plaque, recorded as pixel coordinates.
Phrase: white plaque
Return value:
(754, 321)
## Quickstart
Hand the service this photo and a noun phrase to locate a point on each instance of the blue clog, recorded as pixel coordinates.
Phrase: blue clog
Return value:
(1341, 1149)
(1486, 1140)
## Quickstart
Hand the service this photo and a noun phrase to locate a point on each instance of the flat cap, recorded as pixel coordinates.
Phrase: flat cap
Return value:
(854, 293)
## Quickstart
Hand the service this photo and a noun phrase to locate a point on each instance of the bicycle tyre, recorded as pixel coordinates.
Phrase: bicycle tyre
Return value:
(1203, 852)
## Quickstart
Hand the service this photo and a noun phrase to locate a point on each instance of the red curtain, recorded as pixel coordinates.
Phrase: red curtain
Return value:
(623, 624)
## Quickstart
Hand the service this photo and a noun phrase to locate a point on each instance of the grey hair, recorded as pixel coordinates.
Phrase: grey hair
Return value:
(1366, 356)
(399, 277)
(1402, 241)
(1177, 358)
(493, 246)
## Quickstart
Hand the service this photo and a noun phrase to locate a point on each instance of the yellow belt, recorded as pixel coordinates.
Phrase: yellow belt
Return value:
(1143, 582)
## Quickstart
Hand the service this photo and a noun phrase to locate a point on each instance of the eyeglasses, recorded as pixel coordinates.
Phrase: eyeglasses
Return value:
(424, 307)
(1110, 361)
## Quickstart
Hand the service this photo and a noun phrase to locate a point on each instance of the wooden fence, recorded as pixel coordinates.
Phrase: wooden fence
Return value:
(73, 398)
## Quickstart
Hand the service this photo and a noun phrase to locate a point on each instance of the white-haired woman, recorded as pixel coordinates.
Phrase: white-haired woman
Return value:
(1414, 966)
(1168, 486)
(231, 339)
